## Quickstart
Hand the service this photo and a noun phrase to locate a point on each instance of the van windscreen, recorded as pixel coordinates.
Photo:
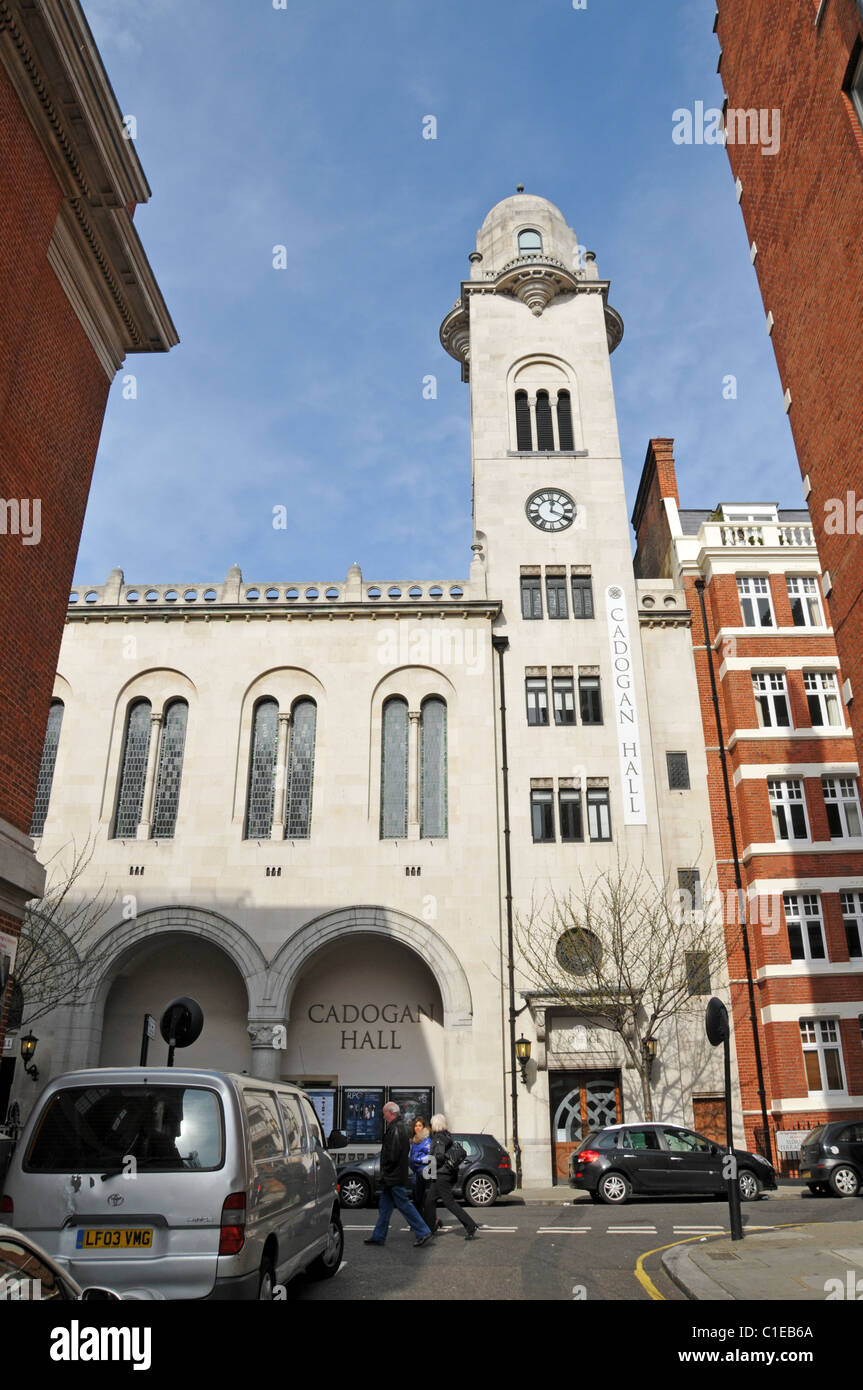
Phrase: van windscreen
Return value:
(117, 1129)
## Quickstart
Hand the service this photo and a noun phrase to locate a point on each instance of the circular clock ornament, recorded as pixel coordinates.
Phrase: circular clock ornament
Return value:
(550, 509)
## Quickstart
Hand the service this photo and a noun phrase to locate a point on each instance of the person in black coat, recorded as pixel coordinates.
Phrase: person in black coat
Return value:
(395, 1176)
(444, 1174)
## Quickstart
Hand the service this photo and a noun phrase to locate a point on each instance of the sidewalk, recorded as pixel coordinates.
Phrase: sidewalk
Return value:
(791, 1264)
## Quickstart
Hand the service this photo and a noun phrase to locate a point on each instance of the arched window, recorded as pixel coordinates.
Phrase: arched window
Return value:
(262, 771)
(529, 241)
(133, 770)
(394, 770)
(433, 770)
(564, 422)
(46, 767)
(544, 430)
(301, 766)
(522, 422)
(170, 770)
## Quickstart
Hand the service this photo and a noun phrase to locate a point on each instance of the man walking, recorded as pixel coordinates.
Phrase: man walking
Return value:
(395, 1153)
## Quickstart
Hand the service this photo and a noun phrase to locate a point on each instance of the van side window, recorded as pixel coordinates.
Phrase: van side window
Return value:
(265, 1130)
(315, 1132)
(293, 1122)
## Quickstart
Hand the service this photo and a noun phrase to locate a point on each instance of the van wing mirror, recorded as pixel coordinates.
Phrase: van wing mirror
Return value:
(337, 1139)
(95, 1293)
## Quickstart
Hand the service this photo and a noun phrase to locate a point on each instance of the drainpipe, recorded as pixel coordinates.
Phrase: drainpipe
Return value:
(738, 878)
(501, 645)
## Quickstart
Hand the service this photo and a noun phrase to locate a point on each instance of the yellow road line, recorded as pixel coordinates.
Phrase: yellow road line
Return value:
(647, 1283)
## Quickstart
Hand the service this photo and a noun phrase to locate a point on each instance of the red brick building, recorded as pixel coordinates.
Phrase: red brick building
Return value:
(793, 781)
(76, 295)
(802, 209)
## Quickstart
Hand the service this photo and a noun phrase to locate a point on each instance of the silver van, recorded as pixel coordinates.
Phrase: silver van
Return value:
(193, 1184)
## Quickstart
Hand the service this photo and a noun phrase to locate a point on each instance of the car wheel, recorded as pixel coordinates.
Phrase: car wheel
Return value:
(480, 1190)
(844, 1182)
(328, 1262)
(354, 1191)
(818, 1189)
(267, 1280)
(748, 1186)
(614, 1189)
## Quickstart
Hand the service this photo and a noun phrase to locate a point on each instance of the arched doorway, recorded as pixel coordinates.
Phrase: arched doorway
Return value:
(366, 1025)
(152, 972)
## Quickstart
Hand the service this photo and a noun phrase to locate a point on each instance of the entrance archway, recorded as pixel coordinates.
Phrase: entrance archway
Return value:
(151, 973)
(366, 1026)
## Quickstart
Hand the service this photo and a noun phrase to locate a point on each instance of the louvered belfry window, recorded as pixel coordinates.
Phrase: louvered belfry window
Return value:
(544, 430)
(170, 770)
(262, 772)
(46, 767)
(433, 770)
(301, 766)
(133, 771)
(564, 422)
(523, 440)
(394, 771)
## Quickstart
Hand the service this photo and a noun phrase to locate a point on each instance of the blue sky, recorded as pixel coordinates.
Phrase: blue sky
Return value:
(303, 387)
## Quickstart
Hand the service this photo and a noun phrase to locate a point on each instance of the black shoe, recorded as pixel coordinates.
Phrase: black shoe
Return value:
(438, 1225)
(370, 1241)
(469, 1235)
(422, 1240)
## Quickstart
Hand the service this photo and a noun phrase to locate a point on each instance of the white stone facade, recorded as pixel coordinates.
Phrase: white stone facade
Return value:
(344, 958)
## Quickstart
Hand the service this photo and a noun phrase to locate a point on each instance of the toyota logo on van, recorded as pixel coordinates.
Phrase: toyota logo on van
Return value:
(115, 1200)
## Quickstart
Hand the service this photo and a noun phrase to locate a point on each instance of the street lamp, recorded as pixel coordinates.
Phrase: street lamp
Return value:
(28, 1047)
(650, 1046)
(522, 1053)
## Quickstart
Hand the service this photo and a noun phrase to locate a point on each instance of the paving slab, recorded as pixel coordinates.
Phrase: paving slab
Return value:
(816, 1262)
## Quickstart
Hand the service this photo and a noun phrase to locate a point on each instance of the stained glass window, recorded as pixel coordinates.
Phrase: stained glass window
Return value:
(394, 771)
(170, 770)
(46, 767)
(133, 770)
(262, 771)
(433, 778)
(301, 767)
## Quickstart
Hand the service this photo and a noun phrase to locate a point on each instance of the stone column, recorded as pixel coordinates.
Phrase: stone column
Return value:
(278, 830)
(267, 1053)
(531, 401)
(414, 775)
(146, 821)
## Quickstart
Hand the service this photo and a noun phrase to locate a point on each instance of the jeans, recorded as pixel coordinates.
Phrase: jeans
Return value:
(398, 1197)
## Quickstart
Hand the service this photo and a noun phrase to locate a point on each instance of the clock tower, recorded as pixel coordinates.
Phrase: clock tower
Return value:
(534, 332)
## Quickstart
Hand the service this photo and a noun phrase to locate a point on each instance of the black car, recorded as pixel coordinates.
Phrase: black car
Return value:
(831, 1158)
(614, 1163)
(485, 1175)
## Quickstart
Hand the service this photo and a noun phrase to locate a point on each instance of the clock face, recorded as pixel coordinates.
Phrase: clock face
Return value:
(550, 509)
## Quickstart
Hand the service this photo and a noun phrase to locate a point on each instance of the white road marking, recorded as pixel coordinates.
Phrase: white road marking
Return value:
(563, 1230)
(696, 1230)
(632, 1230)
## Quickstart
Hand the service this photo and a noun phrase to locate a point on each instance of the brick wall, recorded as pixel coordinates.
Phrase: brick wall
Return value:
(801, 206)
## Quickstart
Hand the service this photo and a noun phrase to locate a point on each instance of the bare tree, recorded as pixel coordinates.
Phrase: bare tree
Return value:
(627, 948)
(56, 934)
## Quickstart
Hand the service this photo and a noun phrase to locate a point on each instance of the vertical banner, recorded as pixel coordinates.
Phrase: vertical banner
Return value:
(625, 708)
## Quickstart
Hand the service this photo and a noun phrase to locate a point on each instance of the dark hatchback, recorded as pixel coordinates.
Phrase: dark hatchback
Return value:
(485, 1175)
(620, 1161)
(831, 1158)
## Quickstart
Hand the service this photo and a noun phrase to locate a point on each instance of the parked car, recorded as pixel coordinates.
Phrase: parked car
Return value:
(614, 1163)
(194, 1184)
(485, 1175)
(28, 1274)
(831, 1158)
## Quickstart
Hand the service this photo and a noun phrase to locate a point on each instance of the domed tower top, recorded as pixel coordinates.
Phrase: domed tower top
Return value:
(527, 250)
(522, 226)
